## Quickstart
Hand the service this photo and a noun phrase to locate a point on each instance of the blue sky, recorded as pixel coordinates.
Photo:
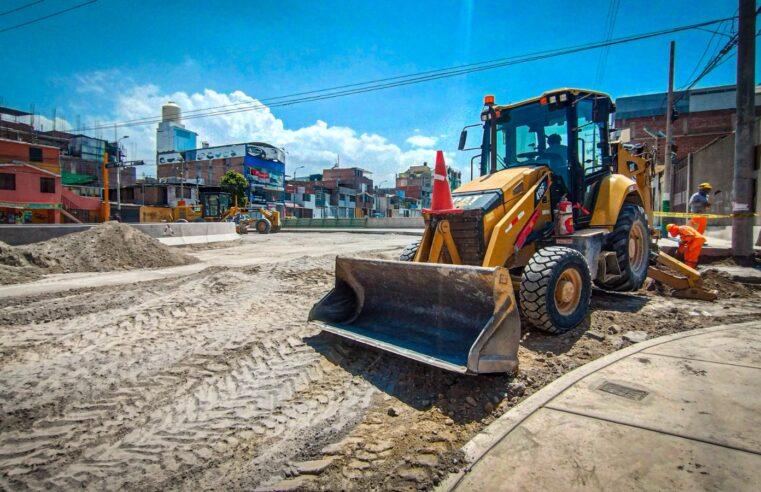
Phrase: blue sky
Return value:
(103, 61)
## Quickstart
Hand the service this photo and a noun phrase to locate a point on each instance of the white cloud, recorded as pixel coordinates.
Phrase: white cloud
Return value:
(98, 81)
(314, 146)
(422, 141)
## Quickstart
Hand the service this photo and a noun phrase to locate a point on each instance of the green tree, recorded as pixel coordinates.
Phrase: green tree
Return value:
(235, 183)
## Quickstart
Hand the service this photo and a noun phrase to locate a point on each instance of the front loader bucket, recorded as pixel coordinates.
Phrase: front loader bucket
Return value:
(459, 318)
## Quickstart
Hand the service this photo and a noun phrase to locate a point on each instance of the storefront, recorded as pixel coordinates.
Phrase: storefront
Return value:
(266, 178)
(29, 213)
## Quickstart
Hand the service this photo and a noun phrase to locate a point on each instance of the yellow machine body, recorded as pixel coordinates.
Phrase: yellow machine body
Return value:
(453, 305)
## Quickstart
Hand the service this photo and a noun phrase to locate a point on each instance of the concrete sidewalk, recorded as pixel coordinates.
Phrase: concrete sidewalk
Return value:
(680, 412)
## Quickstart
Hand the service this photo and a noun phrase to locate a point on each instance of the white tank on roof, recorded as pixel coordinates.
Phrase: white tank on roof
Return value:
(171, 112)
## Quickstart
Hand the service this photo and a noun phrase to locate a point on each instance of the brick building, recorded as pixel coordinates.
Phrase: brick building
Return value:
(703, 116)
(262, 164)
(416, 183)
(348, 188)
(80, 156)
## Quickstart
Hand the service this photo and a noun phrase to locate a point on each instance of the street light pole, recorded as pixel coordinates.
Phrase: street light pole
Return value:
(294, 172)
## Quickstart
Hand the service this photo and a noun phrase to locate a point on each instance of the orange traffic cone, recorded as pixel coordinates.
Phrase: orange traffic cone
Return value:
(441, 197)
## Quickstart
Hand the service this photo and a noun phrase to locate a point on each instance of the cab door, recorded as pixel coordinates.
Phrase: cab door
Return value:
(592, 159)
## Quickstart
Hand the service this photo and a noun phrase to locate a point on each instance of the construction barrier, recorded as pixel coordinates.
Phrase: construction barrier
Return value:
(687, 215)
(324, 222)
(181, 233)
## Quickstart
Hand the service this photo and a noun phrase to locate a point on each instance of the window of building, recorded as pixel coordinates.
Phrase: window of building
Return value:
(7, 181)
(47, 185)
(182, 192)
(128, 194)
(35, 154)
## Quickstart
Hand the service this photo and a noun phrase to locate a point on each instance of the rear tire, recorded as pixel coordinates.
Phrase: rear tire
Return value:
(409, 252)
(630, 240)
(263, 226)
(555, 290)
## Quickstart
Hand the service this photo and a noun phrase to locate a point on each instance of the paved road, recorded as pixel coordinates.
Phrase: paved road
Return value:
(680, 412)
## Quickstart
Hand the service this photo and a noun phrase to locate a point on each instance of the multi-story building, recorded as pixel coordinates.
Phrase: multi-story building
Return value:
(81, 156)
(171, 134)
(417, 184)
(455, 178)
(31, 190)
(702, 117)
(262, 164)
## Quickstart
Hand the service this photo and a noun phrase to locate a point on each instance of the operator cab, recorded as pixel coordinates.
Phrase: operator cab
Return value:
(565, 130)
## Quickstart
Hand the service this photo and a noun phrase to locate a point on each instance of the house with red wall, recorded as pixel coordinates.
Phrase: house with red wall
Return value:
(29, 194)
(30, 187)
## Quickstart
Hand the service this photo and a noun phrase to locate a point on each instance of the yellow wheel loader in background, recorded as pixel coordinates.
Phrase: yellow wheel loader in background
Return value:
(450, 302)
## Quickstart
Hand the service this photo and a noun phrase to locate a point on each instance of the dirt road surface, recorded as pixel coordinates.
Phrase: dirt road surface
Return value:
(207, 376)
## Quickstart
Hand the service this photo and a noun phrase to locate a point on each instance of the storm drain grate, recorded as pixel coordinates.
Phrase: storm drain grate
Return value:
(623, 391)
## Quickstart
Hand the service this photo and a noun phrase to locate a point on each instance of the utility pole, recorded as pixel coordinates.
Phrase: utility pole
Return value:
(668, 168)
(106, 206)
(742, 222)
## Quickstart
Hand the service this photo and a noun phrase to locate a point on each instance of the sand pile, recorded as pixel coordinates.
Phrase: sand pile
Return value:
(106, 247)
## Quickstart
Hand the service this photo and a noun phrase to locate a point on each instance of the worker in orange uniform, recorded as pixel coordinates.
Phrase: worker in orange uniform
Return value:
(690, 243)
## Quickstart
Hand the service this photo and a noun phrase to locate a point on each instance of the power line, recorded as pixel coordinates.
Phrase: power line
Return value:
(20, 8)
(403, 80)
(705, 52)
(611, 24)
(38, 19)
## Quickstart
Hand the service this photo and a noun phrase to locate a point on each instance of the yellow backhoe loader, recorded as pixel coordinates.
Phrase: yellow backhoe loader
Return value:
(558, 208)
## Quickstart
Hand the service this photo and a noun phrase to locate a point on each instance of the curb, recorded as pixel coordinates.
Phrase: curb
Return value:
(489, 437)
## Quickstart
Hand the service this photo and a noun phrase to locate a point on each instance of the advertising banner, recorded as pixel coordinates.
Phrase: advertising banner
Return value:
(170, 157)
(224, 152)
(265, 153)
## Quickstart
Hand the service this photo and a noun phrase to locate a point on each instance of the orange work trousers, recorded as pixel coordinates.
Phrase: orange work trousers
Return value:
(690, 249)
(698, 223)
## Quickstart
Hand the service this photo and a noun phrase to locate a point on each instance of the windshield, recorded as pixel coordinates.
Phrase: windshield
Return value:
(532, 135)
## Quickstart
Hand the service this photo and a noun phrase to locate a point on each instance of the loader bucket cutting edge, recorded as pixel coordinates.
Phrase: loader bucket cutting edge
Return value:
(458, 318)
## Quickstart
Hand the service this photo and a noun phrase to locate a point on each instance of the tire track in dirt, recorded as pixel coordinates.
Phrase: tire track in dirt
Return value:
(209, 378)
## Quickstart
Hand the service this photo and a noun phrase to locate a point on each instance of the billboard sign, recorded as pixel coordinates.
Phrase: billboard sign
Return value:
(170, 157)
(261, 152)
(265, 153)
(209, 153)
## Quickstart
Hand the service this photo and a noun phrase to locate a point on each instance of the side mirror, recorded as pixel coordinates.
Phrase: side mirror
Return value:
(463, 139)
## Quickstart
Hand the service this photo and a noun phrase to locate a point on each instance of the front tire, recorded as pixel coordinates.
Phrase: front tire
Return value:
(263, 226)
(409, 252)
(556, 289)
(630, 240)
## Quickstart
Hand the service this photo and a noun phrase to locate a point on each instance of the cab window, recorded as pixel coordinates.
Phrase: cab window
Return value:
(589, 139)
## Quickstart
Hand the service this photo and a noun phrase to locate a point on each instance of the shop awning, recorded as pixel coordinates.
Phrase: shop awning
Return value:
(78, 179)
